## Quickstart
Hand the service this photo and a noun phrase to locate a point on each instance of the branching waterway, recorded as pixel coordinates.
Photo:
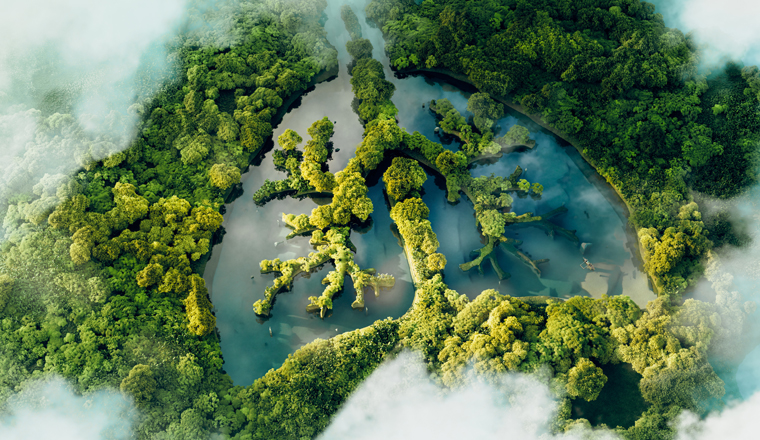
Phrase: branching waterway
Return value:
(254, 233)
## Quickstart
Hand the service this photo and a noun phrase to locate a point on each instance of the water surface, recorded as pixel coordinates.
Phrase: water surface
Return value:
(255, 233)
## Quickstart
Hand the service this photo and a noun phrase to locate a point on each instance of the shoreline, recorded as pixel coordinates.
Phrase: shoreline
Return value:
(210, 260)
(609, 191)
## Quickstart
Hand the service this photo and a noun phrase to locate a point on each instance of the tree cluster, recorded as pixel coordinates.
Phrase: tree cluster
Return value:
(609, 77)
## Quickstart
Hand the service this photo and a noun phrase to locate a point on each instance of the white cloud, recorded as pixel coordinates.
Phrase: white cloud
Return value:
(90, 58)
(399, 401)
(728, 27)
(50, 409)
(736, 423)
(47, 44)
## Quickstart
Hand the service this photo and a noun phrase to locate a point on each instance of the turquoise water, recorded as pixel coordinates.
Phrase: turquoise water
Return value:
(255, 233)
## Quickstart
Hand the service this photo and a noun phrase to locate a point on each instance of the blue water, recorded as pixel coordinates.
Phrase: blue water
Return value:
(255, 233)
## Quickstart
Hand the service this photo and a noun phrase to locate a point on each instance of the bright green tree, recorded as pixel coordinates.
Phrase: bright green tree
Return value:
(224, 176)
(289, 140)
(585, 380)
(404, 176)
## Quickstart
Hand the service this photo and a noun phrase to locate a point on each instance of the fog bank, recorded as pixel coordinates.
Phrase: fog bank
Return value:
(70, 73)
(50, 409)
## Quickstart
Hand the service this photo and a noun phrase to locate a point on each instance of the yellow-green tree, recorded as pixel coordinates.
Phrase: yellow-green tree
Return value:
(403, 177)
(224, 176)
(202, 322)
(139, 383)
(289, 140)
(585, 380)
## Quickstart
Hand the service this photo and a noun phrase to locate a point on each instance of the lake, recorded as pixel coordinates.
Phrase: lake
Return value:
(254, 233)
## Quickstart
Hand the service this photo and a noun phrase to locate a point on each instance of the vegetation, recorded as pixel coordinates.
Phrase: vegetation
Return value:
(99, 272)
(612, 79)
(304, 168)
(351, 21)
(624, 89)
(333, 246)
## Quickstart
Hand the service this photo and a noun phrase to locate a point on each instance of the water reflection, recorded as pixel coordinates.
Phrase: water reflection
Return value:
(589, 213)
(256, 233)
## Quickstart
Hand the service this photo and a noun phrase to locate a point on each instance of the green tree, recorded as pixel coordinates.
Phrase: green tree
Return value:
(412, 208)
(151, 274)
(492, 223)
(289, 140)
(436, 262)
(359, 49)
(698, 147)
(485, 110)
(537, 188)
(6, 287)
(202, 322)
(321, 216)
(450, 163)
(224, 176)
(403, 177)
(585, 380)
(351, 22)
(139, 383)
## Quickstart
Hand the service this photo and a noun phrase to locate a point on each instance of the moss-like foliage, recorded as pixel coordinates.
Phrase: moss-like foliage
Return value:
(99, 272)
(334, 247)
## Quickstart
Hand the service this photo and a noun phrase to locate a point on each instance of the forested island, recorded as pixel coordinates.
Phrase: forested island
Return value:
(101, 272)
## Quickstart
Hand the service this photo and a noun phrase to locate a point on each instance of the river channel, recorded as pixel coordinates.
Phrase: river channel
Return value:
(254, 233)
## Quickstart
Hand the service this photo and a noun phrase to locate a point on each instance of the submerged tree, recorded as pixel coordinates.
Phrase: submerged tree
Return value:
(333, 246)
(327, 224)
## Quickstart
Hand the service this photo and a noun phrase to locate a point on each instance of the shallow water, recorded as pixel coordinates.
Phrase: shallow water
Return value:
(589, 214)
(549, 164)
(255, 233)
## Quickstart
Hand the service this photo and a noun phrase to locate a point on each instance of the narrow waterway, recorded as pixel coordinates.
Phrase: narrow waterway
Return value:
(255, 233)
(554, 166)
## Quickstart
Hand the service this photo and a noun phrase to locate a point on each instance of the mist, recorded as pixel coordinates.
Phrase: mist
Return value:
(728, 29)
(737, 422)
(400, 401)
(49, 409)
(73, 78)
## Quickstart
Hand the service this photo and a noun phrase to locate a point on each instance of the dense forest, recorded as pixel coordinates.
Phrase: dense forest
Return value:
(609, 77)
(100, 273)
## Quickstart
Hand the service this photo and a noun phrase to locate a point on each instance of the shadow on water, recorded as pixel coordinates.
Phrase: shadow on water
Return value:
(595, 220)
(567, 180)
(619, 403)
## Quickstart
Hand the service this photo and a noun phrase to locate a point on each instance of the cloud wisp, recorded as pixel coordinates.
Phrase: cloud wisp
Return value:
(399, 401)
(736, 422)
(50, 409)
(728, 29)
(70, 73)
